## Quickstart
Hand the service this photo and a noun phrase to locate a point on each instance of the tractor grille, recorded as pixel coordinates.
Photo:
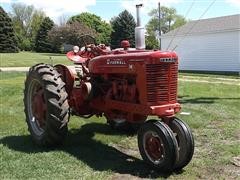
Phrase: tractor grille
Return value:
(161, 83)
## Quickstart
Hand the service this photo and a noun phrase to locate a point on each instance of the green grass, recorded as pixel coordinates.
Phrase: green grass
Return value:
(211, 73)
(94, 151)
(27, 59)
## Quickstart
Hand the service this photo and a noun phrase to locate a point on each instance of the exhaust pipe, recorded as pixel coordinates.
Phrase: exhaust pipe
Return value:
(139, 31)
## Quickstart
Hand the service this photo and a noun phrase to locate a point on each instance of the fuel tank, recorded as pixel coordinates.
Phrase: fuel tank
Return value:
(129, 62)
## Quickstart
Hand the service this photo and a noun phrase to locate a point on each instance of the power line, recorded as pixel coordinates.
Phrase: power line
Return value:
(195, 23)
(188, 11)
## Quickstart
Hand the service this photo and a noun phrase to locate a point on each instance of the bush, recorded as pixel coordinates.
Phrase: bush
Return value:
(68, 34)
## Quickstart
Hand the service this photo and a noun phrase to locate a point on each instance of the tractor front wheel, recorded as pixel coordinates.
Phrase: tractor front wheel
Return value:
(157, 145)
(46, 105)
(185, 142)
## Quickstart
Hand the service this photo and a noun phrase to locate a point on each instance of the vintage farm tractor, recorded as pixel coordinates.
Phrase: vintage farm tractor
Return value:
(124, 85)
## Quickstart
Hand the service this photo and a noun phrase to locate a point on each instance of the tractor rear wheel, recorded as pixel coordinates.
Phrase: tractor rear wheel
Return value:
(157, 145)
(46, 105)
(185, 142)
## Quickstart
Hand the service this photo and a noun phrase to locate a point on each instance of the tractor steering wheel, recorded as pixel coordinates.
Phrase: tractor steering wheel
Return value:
(85, 42)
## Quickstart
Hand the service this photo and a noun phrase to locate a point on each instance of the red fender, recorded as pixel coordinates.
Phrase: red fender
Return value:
(68, 76)
(76, 57)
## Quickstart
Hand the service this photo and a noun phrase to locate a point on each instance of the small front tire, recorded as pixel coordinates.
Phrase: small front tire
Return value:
(157, 145)
(185, 142)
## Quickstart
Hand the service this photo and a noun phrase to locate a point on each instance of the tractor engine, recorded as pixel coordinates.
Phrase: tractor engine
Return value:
(123, 88)
(137, 82)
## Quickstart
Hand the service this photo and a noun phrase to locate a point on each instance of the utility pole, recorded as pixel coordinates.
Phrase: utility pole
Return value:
(159, 24)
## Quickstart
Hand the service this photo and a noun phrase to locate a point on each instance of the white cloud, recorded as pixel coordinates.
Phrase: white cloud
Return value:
(55, 8)
(234, 2)
(5, 1)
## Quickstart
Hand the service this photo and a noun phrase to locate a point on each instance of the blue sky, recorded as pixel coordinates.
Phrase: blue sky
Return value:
(107, 9)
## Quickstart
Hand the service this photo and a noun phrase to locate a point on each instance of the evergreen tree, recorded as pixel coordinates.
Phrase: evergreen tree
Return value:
(123, 29)
(8, 41)
(42, 41)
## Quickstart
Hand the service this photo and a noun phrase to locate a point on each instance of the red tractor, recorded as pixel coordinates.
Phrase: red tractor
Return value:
(124, 85)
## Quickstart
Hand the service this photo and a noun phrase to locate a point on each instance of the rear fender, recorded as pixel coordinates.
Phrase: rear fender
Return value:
(68, 76)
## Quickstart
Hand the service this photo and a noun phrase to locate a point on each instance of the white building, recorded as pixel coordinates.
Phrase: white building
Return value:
(207, 45)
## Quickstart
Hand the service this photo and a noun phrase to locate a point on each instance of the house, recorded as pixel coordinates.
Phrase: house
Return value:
(207, 45)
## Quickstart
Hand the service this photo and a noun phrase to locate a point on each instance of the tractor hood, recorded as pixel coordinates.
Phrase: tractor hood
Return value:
(128, 61)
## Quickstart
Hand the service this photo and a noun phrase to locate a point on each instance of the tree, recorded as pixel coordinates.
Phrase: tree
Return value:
(169, 17)
(123, 28)
(37, 19)
(94, 22)
(26, 23)
(151, 41)
(8, 41)
(169, 20)
(42, 41)
(179, 21)
(68, 34)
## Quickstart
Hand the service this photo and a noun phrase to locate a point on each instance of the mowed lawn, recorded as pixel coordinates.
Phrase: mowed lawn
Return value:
(93, 151)
(27, 59)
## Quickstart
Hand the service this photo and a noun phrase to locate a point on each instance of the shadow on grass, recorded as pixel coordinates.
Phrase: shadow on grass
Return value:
(203, 100)
(95, 154)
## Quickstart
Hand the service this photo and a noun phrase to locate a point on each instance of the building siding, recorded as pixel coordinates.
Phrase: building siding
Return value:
(207, 52)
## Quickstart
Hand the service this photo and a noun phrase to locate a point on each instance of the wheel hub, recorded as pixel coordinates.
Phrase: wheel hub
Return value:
(154, 147)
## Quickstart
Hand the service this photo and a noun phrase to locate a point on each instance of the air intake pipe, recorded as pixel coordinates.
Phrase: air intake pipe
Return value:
(139, 31)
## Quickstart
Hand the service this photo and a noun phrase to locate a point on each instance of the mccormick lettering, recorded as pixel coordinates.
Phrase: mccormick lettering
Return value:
(116, 62)
(168, 60)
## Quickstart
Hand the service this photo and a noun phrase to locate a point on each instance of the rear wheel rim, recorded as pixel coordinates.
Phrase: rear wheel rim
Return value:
(36, 107)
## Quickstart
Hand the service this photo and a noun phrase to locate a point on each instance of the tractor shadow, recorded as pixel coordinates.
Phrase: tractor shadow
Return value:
(202, 100)
(97, 155)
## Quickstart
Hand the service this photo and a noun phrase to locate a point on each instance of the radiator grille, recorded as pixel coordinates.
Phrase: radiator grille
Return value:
(161, 83)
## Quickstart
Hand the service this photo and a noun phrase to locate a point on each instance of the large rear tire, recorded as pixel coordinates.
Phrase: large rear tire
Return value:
(185, 142)
(46, 105)
(157, 145)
